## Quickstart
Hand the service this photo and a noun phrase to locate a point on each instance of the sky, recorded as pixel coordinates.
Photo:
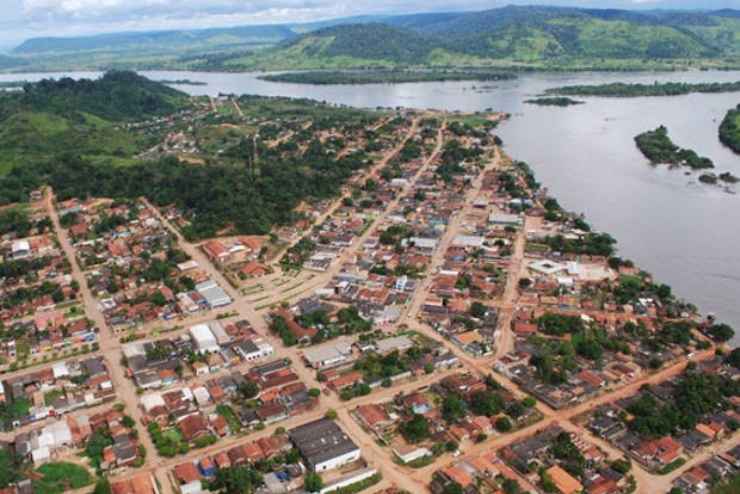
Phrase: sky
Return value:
(23, 19)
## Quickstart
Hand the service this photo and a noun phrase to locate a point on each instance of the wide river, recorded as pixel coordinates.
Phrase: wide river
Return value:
(685, 233)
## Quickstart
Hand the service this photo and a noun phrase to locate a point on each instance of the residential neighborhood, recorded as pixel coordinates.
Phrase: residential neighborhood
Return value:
(440, 325)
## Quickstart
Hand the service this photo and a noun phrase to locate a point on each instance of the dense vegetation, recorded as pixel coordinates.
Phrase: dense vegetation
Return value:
(116, 96)
(694, 396)
(159, 41)
(543, 37)
(385, 76)
(53, 116)
(623, 90)
(659, 149)
(221, 196)
(532, 36)
(729, 130)
(594, 244)
(554, 101)
(54, 478)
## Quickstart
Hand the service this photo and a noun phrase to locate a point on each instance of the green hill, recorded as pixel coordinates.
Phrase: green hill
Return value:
(353, 45)
(538, 36)
(117, 96)
(53, 117)
(158, 41)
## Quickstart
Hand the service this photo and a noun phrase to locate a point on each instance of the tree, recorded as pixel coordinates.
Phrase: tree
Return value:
(416, 429)
(314, 392)
(312, 482)
(453, 488)
(8, 469)
(515, 409)
(734, 358)
(453, 408)
(503, 424)
(249, 389)
(721, 332)
(622, 465)
(102, 486)
(478, 310)
(486, 403)
(331, 414)
(238, 480)
(511, 486)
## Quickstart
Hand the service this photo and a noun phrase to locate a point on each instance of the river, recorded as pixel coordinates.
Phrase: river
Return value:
(685, 233)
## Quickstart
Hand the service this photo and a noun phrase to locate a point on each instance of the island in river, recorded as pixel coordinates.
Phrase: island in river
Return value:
(657, 146)
(624, 90)
(335, 77)
(729, 130)
(554, 101)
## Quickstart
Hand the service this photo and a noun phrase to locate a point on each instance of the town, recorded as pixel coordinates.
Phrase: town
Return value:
(441, 324)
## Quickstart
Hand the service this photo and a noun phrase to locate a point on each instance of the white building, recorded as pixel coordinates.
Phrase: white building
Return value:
(505, 219)
(468, 241)
(328, 355)
(214, 294)
(204, 339)
(388, 345)
(20, 249)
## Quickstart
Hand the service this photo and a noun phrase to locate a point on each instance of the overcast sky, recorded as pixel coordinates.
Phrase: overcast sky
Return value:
(22, 19)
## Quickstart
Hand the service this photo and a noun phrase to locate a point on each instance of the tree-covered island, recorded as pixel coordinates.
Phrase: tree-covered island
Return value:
(657, 146)
(625, 90)
(554, 101)
(729, 129)
(386, 76)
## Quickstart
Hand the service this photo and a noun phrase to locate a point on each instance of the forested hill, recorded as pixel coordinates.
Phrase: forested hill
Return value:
(372, 42)
(158, 40)
(538, 36)
(533, 35)
(53, 117)
(117, 96)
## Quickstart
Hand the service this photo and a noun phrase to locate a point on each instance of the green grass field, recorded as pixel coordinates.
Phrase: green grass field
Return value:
(60, 477)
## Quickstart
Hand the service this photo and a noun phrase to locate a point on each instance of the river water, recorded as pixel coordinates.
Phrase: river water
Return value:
(685, 233)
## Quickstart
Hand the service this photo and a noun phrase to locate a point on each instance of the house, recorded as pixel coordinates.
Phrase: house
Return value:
(419, 403)
(193, 426)
(663, 450)
(409, 452)
(564, 482)
(373, 416)
(140, 483)
(324, 445)
(458, 475)
(186, 473)
(254, 269)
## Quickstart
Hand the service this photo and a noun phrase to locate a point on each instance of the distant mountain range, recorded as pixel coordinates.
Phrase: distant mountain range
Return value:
(527, 35)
